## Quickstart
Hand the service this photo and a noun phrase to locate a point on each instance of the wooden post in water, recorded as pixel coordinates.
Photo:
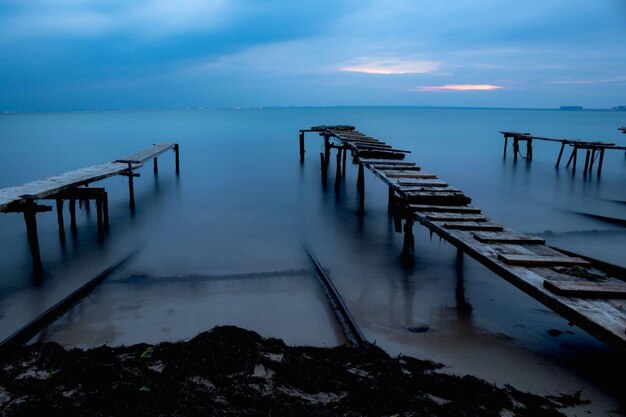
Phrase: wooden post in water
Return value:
(592, 160)
(529, 149)
(131, 186)
(323, 168)
(558, 160)
(105, 210)
(326, 149)
(345, 151)
(177, 155)
(301, 146)
(601, 160)
(391, 202)
(100, 217)
(588, 153)
(156, 166)
(571, 157)
(515, 147)
(73, 227)
(361, 187)
(575, 159)
(408, 245)
(338, 170)
(506, 143)
(30, 212)
(60, 219)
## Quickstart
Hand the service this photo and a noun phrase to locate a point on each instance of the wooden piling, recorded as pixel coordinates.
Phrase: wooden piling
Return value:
(301, 146)
(338, 170)
(323, 168)
(575, 159)
(361, 187)
(156, 166)
(72, 203)
(601, 160)
(558, 160)
(391, 202)
(588, 153)
(326, 149)
(30, 212)
(408, 245)
(60, 219)
(571, 157)
(131, 185)
(105, 210)
(345, 152)
(100, 218)
(529, 149)
(177, 155)
(515, 147)
(506, 142)
(592, 160)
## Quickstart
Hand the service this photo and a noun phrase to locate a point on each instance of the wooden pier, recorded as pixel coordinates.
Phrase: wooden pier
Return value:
(569, 285)
(593, 150)
(74, 186)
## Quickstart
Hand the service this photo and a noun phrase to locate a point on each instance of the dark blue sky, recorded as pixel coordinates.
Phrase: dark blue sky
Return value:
(109, 54)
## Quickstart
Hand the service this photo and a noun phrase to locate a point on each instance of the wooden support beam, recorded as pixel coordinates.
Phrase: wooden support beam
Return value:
(575, 158)
(131, 187)
(558, 160)
(323, 168)
(571, 157)
(601, 161)
(301, 146)
(345, 152)
(515, 147)
(30, 213)
(408, 245)
(588, 154)
(72, 204)
(391, 198)
(105, 210)
(529, 149)
(361, 188)
(177, 155)
(338, 170)
(156, 166)
(100, 219)
(326, 149)
(506, 142)
(592, 160)
(60, 219)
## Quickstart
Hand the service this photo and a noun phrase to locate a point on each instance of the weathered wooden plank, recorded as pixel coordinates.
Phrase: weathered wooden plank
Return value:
(395, 169)
(456, 217)
(373, 161)
(423, 182)
(53, 185)
(586, 289)
(537, 260)
(380, 154)
(508, 238)
(437, 199)
(408, 175)
(473, 225)
(147, 154)
(416, 179)
(444, 209)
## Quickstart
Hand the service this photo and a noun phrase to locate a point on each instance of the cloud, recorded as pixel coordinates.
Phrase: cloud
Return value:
(460, 87)
(590, 81)
(387, 66)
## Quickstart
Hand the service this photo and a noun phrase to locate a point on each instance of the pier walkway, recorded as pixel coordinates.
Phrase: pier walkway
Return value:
(74, 186)
(572, 287)
(594, 149)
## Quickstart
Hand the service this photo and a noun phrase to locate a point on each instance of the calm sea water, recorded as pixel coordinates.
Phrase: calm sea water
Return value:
(222, 241)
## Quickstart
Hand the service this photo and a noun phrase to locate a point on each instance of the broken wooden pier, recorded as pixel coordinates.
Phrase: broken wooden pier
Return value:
(594, 150)
(74, 186)
(569, 285)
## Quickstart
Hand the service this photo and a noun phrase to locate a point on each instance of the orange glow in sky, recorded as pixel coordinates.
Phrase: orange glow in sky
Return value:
(460, 87)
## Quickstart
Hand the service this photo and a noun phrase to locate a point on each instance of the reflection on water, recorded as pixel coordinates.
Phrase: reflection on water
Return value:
(222, 240)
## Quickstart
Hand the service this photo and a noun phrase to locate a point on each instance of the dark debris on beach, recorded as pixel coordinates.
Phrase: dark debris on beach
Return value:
(234, 372)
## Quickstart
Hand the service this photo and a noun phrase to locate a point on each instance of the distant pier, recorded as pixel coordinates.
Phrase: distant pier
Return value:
(74, 186)
(594, 149)
(571, 286)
